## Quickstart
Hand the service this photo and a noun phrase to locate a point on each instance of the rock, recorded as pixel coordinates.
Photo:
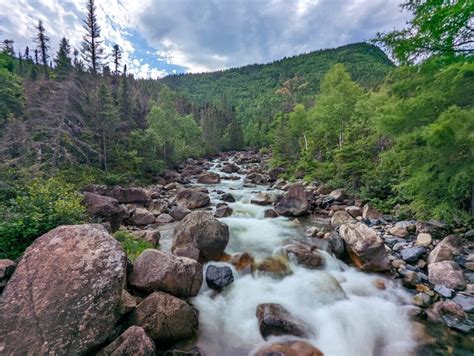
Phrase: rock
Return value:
(270, 213)
(227, 197)
(422, 300)
(323, 190)
(192, 199)
(447, 273)
(341, 217)
(449, 247)
(130, 195)
(412, 254)
(354, 211)
(451, 314)
(289, 348)
(305, 255)
(230, 168)
(335, 244)
(152, 236)
(171, 186)
(164, 219)
(401, 228)
(156, 270)
(443, 291)
(365, 247)
(274, 320)
(218, 277)
(128, 302)
(338, 194)
(65, 293)
(256, 178)
(435, 228)
(466, 301)
(141, 216)
(133, 341)
(369, 213)
(165, 317)
(209, 178)
(158, 206)
(104, 208)
(241, 261)
(423, 239)
(410, 279)
(294, 203)
(6, 270)
(200, 236)
(223, 211)
(178, 213)
(277, 267)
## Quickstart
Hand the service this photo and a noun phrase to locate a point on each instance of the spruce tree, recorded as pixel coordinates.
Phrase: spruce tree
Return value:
(63, 59)
(117, 55)
(91, 45)
(27, 54)
(7, 47)
(106, 121)
(43, 46)
(125, 100)
(36, 56)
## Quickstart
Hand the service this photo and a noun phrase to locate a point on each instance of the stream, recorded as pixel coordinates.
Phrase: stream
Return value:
(345, 311)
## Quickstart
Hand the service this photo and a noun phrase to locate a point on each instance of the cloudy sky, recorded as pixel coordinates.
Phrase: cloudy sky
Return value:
(159, 37)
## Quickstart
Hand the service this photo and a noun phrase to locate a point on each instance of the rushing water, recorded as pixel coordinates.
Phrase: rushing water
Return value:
(346, 312)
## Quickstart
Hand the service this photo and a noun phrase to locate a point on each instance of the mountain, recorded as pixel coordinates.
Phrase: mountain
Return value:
(255, 90)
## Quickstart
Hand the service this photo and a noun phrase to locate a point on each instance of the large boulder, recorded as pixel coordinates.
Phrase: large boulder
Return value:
(133, 341)
(104, 208)
(294, 203)
(365, 247)
(178, 213)
(156, 270)
(289, 348)
(274, 320)
(209, 178)
(130, 195)
(192, 199)
(165, 317)
(449, 247)
(230, 168)
(341, 217)
(200, 236)
(305, 254)
(64, 296)
(447, 273)
(370, 213)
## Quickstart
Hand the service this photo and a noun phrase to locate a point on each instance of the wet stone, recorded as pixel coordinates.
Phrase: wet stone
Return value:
(218, 278)
(412, 254)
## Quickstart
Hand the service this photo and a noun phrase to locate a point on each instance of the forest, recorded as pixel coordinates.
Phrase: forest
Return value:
(396, 132)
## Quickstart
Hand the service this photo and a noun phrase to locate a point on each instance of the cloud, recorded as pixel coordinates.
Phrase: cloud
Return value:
(172, 36)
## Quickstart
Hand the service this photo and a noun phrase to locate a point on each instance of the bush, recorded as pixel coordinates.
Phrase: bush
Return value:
(39, 207)
(132, 246)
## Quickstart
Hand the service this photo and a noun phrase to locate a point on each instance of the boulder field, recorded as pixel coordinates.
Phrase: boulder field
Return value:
(74, 291)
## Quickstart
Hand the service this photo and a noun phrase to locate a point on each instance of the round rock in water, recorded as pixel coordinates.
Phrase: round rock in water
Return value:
(219, 277)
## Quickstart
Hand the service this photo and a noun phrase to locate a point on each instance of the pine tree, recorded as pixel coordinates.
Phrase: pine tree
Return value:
(106, 121)
(91, 45)
(42, 46)
(36, 56)
(7, 47)
(117, 55)
(125, 100)
(27, 53)
(63, 59)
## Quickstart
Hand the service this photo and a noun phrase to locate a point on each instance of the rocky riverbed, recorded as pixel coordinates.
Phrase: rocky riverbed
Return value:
(244, 263)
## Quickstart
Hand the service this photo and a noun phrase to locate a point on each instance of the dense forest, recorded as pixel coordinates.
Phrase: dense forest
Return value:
(400, 136)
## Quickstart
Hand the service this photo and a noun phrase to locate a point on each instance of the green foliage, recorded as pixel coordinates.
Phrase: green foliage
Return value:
(438, 28)
(12, 99)
(133, 247)
(259, 92)
(39, 207)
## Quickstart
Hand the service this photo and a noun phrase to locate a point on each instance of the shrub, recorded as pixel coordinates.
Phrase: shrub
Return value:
(132, 246)
(39, 207)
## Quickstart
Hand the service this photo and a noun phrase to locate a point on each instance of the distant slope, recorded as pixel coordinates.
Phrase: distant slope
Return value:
(252, 89)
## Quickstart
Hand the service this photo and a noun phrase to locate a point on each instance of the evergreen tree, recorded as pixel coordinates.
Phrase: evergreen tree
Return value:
(27, 54)
(7, 47)
(36, 56)
(117, 56)
(124, 97)
(106, 121)
(63, 59)
(42, 46)
(91, 44)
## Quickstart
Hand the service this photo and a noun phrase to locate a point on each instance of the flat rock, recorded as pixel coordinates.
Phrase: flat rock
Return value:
(192, 199)
(449, 247)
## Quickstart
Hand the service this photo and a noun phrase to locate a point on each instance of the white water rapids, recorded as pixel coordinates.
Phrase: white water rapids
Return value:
(348, 315)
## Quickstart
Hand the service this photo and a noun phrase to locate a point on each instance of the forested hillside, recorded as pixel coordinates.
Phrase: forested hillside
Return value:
(260, 91)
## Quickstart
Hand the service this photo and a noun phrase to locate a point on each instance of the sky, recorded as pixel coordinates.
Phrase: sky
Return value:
(161, 37)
